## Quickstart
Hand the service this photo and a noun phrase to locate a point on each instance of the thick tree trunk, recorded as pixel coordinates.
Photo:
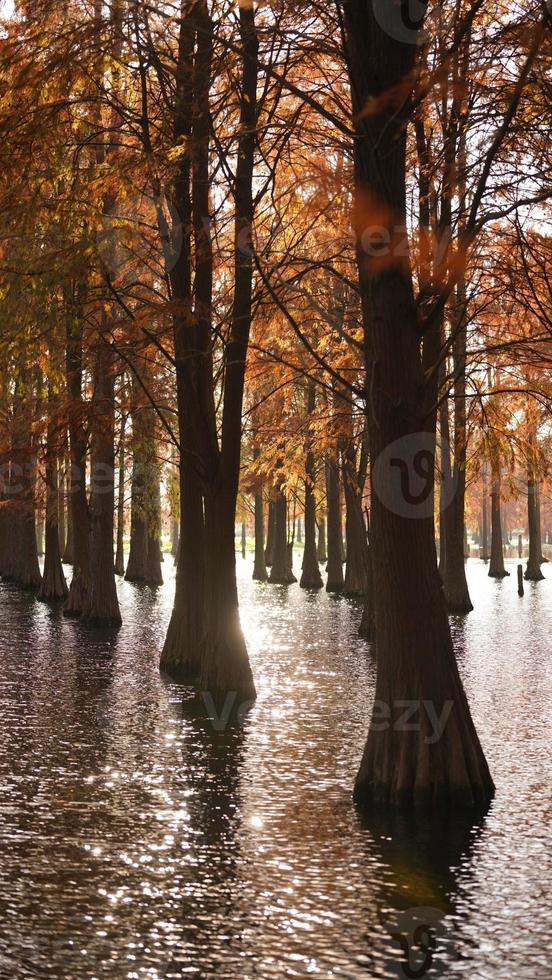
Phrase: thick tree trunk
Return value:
(402, 764)
(53, 587)
(356, 568)
(321, 549)
(311, 577)
(68, 554)
(136, 569)
(62, 527)
(23, 567)
(206, 644)
(368, 622)
(78, 500)
(40, 527)
(484, 521)
(181, 656)
(335, 580)
(174, 537)
(102, 605)
(270, 538)
(281, 572)
(496, 567)
(533, 571)
(259, 568)
(120, 550)
(154, 575)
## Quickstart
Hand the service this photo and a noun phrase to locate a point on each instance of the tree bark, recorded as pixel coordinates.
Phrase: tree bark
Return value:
(533, 571)
(311, 577)
(496, 567)
(205, 641)
(101, 606)
(356, 568)
(281, 572)
(321, 549)
(335, 580)
(78, 500)
(53, 587)
(415, 656)
(23, 566)
(120, 550)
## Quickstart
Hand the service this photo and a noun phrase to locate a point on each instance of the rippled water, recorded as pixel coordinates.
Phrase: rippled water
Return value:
(136, 841)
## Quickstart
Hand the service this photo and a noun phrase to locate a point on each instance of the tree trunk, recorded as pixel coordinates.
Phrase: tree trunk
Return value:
(368, 622)
(485, 521)
(496, 567)
(68, 554)
(53, 587)
(335, 581)
(60, 480)
(311, 577)
(102, 605)
(136, 570)
(356, 568)
(270, 537)
(533, 571)
(174, 537)
(321, 550)
(415, 657)
(78, 501)
(281, 572)
(154, 575)
(23, 567)
(259, 568)
(40, 527)
(120, 551)
(218, 662)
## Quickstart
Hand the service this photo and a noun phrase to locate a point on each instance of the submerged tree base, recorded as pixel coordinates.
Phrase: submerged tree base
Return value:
(499, 573)
(218, 664)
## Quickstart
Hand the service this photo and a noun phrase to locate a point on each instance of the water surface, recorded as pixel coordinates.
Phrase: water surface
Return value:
(136, 841)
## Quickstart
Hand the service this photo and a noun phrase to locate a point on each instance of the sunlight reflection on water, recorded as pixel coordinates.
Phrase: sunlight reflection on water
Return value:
(137, 841)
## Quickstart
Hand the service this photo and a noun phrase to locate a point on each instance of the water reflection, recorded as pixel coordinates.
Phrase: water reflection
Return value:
(139, 840)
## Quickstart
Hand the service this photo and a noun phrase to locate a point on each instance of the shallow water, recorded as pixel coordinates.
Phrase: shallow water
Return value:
(138, 841)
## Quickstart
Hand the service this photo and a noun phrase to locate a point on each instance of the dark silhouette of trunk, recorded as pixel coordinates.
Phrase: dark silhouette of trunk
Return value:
(271, 524)
(101, 606)
(259, 568)
(22, 563)
(368, 622)
(154, 575)
(136, 569)
(356, 568)
(335, 580)
(496, 567)
(78, 501)
(533, 571)
(299, 531)
(62, 528)
(68, 554)
(484, 520)
(311, 577)
(174, 537)
(53, 587)
(543, 560)
(244, 540)
(120, 550)
(415, 656)
(281, 572)
(454, 570)
(321, 549)
(40, 527)
(205, 642)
